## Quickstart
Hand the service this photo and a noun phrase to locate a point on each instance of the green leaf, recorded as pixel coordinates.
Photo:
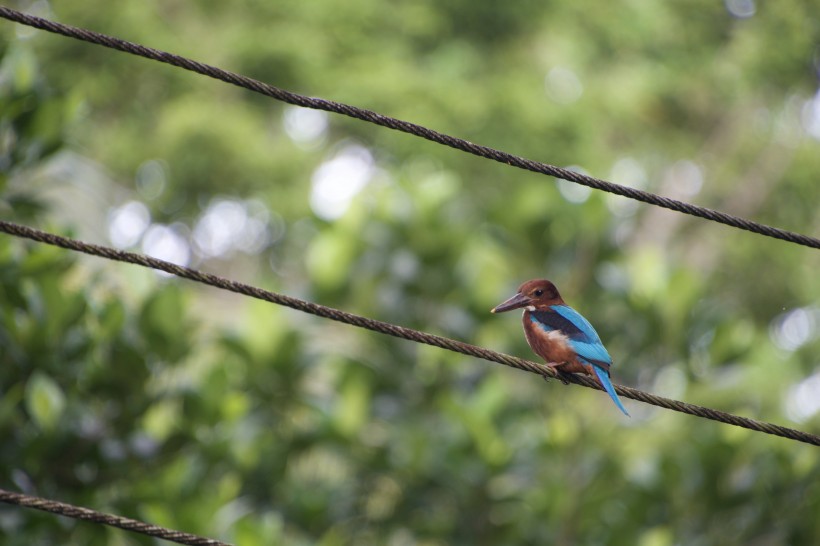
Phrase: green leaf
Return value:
(45, 401)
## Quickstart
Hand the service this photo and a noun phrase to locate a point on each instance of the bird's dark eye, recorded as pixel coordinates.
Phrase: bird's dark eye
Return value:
(538, 293)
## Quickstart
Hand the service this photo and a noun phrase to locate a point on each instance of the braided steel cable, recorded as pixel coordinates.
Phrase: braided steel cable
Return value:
(407, 127)
(86, 514)
(398, 331)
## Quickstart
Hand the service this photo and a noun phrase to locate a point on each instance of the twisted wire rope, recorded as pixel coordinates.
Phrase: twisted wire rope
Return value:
(401, 332)
(406, 127)
(395, 330)
(94, 516)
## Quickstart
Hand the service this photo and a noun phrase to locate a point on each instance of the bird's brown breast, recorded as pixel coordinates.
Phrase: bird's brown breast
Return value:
(553, 346)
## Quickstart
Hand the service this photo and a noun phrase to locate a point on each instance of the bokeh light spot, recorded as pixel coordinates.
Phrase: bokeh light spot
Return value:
(571, 191)
(337, 181)
(803, 399)
(563, 86)
(127, 223)
(304, 126)
(167, 243)
(228, 225)
(742, 9)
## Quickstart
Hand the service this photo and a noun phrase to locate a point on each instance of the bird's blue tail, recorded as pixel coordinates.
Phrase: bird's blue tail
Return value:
(603, 377)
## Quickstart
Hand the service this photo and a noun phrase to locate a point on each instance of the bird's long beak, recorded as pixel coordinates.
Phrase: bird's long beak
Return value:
(516, 302)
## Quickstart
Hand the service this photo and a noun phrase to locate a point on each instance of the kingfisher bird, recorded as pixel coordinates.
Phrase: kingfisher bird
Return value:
(560, 335)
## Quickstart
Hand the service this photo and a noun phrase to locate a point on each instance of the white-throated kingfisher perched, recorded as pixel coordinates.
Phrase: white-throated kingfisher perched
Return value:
(560, 335)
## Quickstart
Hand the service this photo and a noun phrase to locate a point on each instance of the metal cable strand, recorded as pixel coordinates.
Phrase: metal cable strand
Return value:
(397, 331)
(86, 514)
(407, 127)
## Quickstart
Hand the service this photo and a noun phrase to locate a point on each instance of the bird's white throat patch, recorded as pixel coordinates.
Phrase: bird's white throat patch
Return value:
(530, 308)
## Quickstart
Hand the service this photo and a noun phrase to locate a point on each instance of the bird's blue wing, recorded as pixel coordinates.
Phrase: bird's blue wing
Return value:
(583, 337)
(580, 328)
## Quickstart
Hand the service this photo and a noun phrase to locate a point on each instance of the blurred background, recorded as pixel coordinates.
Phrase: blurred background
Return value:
(142, 395)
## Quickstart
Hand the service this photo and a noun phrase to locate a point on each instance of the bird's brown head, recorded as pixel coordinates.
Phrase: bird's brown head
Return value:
(536, 293)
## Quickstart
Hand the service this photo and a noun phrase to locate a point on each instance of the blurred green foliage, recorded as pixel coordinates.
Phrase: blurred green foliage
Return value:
(134, 393)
